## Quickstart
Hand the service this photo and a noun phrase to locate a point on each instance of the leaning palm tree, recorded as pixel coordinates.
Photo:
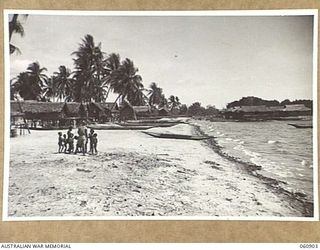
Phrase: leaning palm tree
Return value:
(15, 26)
(125, 81)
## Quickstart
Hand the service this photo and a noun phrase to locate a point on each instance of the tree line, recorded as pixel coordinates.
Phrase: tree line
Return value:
(256, 101)
(94, 77)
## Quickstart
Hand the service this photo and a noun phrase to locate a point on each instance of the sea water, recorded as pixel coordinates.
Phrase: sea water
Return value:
(284, 152)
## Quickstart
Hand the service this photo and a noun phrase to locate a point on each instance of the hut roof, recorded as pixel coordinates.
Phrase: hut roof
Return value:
(15, 109)
(35, 107)
(109, 105)
(98, 106)
(73, 107)
(250, 109)
(166, 109)
(141, 109)
(296, 107)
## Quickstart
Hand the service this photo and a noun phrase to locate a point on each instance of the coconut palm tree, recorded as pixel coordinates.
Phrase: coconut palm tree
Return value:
(64, 83)
(15, 26)
(112, 64)
(37, 75)
(173, 101)
(163, 101)
(89, 69)
(155, 94)
(125, 81)
(26, 88)
(50, 90)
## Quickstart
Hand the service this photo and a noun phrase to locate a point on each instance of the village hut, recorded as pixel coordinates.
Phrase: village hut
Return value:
(163, 111)
(129, 112)
(75, 113)
(45, 114)
(16, 113)
(111, 110)
(175, 111)
(97, 112)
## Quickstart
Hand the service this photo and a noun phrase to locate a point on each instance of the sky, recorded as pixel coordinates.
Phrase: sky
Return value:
(211, 59)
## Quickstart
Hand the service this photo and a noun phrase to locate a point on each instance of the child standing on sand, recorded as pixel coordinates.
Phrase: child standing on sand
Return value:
(71, 143)
(65, 143)
(60, 142)
(94, 143)
(90, 136)
(68, 138)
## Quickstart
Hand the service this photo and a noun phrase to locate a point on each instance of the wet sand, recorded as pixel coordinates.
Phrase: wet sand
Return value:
(135, 174)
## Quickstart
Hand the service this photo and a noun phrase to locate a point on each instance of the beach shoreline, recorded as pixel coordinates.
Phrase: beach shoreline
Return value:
(135, 174)
(298, 198)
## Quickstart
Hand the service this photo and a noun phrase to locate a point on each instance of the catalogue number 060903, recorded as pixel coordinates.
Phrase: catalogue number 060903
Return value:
(308, 245)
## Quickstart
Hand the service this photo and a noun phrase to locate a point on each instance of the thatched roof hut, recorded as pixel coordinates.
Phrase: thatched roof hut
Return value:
(113, 107)
(102, 111)
(39, 110)
(75, 109)
(16, 109)
(128, 111)
(163, 111)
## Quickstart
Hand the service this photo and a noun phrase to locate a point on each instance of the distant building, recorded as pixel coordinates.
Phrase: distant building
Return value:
(103, 112)
(44, 113)
(163, 111)
(266, 112)
(129, 112)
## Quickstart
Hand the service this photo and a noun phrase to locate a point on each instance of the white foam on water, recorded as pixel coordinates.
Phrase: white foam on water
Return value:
(229, 139)
(273, 142)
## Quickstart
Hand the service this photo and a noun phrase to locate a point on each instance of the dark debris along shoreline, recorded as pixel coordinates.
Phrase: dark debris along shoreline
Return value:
(297, 199)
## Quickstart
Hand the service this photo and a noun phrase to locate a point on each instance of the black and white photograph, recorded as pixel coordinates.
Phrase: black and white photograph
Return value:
(159, 115)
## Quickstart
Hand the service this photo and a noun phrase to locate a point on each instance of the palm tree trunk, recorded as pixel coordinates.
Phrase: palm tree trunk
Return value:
(115, 101)
(13, 23)
(108, 93)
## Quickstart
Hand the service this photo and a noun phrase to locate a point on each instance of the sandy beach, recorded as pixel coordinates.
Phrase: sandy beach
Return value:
(135, 174)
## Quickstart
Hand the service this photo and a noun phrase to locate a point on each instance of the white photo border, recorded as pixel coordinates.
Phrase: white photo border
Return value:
(295, 12)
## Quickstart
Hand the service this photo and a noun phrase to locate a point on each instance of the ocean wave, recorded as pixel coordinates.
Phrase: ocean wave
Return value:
(273, 142)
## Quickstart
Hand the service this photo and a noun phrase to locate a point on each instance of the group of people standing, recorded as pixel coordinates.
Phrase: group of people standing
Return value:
(67, 141)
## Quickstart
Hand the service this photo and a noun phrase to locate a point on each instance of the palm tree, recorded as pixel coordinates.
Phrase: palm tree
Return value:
(64, 83)
(163, 101)
(26, 88)
(155, 94)
(89, 70)
(112, 64)
(50, 89)
(173, 102)
(15, 26)
(37, 75)
(126, 83)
